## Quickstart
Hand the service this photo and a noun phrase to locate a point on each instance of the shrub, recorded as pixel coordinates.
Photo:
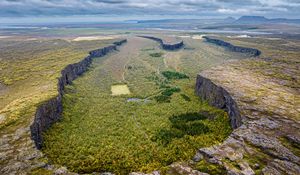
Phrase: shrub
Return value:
(162, 98)
(157, 54)
(170, 91)
(185, 124)
(185, 97)
(174, 75)
(166, 94)
(213, 169)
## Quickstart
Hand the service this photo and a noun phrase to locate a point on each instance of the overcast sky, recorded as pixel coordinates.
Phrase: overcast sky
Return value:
(167, 8)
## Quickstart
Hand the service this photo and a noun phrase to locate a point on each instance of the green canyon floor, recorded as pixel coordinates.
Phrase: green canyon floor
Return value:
(160, 122)
(136, 108)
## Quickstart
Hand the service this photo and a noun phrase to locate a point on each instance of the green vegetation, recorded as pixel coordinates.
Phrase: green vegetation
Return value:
(170, 91)
(257, 161)
(157, 54)
(181, 125)
(185, 97)
(29, 71)
(293, 146)
(167, 90)
(213, 169)
(121, 137)
(166, 94)
(279, 56)
(170, 75)
(100, 132)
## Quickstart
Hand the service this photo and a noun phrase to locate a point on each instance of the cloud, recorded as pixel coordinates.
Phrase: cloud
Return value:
(280, 3)
(271, 8)
(233, 11)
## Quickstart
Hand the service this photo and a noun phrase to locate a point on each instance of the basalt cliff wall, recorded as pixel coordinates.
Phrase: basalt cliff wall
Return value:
(246, 50)
(261, 142)
(50, 111)
(165, 46)
(218, 97)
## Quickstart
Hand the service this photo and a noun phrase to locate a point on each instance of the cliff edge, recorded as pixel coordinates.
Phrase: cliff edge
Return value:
(164, 45)
(250, 51)
(50, 111)
(267, 138)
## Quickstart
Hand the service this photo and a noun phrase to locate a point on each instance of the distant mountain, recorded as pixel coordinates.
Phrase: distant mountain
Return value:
(229, 19)
(159, 21)
(251, 19)
(193, 21)
(262, 20)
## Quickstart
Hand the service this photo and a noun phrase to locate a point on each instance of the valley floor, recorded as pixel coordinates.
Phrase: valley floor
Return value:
(101, 132)
(157, 120)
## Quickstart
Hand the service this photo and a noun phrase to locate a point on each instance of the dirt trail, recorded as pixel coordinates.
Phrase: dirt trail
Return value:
(126, 53)
(117, 62)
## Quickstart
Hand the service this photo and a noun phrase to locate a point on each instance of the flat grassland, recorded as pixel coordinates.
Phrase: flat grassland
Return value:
(100, 132)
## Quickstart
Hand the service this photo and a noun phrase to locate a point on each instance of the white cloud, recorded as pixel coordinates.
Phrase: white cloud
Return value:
(233, 11)
(277, 3)
(194, 7)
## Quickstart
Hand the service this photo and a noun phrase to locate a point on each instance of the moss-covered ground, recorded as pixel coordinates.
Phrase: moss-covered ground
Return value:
(101, 132)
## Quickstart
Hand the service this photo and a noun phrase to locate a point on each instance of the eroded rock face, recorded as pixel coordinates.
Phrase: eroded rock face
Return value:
(218, 97)
(164, 45)
(263, 141)
(50, 111)
(250, 51)
(182, 169)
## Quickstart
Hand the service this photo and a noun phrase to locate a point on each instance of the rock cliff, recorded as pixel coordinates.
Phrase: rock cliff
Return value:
(220, 98)
(164, 45)
(50, 111)
(266, 138)
(233, 48)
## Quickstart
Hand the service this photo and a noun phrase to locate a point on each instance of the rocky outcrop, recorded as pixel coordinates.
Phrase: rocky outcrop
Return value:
(165, 46)
(220, 98)
(262, 142)
(233, 48)
(119, 43)
(50, 111)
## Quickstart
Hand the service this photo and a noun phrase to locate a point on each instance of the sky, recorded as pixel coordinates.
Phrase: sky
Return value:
(145, 9)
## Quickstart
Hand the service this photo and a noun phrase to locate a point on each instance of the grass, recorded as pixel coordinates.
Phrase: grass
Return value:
(171, 75)
(213, 169)
(281, 59)
(29, 71)
(258, 158)
(121, 137)
(181, 125)
(278, 65)
(166, 93)
(157, 54)
(293, 146)
(100, 132)
(185, 97)
(120, 90)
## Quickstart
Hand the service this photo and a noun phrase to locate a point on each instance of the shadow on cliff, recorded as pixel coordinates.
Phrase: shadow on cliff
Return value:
(181, 125)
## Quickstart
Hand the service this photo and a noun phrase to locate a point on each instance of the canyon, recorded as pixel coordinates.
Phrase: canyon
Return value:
(262, 142)
(251, 51)
(50, 112)
(262, 113)
(164, 45)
